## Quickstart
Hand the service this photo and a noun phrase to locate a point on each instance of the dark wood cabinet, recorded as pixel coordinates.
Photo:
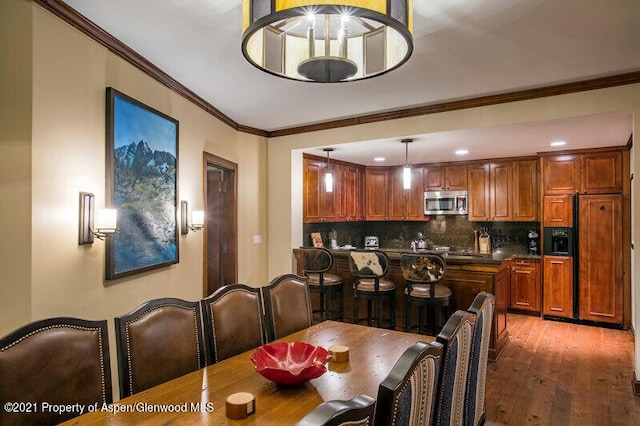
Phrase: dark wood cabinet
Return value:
(561, 174)
(478, 192)
(601, 173)
(525, 286)
(525, 191)
(376, 193)
(351, 199)
(600, 258)
(558, 211)
(558, 286)
(500, 186)
(318, 204)
(449, 177)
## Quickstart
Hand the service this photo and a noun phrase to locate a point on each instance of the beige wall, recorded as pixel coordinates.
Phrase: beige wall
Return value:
(285, 205)
(53, 146)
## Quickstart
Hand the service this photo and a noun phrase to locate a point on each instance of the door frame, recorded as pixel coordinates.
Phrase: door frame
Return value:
(219, 162)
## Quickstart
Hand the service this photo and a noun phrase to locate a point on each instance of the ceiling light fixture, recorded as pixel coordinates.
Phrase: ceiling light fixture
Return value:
(310, 40)
(558, 143)
(328, 177)
(406, 169)
(462, 151)
(379, 159)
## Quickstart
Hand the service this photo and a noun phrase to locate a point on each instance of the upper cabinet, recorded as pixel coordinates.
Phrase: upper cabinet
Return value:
(386, 199)
(589, 173)
(449, 177)
(376, 183)
(503, 191)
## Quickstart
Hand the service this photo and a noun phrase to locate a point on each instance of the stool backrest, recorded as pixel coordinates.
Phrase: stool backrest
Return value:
(422, 269)
(368, 263)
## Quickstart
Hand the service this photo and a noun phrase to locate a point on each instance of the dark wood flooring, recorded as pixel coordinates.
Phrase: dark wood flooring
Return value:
(556, 373)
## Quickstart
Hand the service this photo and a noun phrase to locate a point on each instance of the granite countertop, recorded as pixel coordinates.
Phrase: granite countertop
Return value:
(496, 257)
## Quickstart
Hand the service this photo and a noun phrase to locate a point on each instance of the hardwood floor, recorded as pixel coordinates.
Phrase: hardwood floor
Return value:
(556, 373)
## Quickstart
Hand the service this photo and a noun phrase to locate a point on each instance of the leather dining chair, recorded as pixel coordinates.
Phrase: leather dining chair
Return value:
(407, 395)
(287, 305)
(422, 273)
(358, 410)
(455, 337)
(59, 361)
(233, 321)
(475, 406)
(328, 286)
(160, 340)
(369, 268)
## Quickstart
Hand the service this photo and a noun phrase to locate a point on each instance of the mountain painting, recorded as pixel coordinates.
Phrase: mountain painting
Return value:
(142, 144)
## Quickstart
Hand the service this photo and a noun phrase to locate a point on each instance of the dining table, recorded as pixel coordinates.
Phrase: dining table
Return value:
(199, 397)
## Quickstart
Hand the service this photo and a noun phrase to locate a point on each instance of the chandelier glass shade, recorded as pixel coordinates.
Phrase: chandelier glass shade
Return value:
(327, 41)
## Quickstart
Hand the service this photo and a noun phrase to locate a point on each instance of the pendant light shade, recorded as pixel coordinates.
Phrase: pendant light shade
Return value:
(328, 177)
(327, 41)
(406, 169)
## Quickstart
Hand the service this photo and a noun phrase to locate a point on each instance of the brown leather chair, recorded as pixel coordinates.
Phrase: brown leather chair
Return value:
(369, 268)
(287, 305)
(357, 411)
(159, 341)
(233, 321)
(422, 273)
(329, 287)
(54, 361)
(407, 396)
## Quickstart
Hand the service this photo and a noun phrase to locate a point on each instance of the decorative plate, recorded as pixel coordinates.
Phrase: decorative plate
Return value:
(290, 363)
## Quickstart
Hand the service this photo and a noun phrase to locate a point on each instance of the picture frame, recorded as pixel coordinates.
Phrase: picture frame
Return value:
(316, 238)
(141, 183)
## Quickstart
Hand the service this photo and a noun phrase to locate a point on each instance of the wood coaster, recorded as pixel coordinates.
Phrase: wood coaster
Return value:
(339, 353)
(240, 405)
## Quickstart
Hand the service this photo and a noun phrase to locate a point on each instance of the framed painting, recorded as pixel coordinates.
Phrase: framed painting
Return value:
(141, 182)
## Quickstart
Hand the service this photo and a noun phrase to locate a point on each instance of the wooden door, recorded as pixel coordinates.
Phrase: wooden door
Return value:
(376, 190)
(525, 191)
(396, 201)
(525, 285)
(561, 174)
(312, 191)
(434, 178)
(414, 197)
(348, 194)
(478, 194)
(600, 255)
(500, 177)
(558, 211)
(602, 173)
(558, 286)
(456, 177)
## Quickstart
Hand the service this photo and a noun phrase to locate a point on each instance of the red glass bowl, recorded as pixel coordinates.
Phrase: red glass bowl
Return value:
(290, 363)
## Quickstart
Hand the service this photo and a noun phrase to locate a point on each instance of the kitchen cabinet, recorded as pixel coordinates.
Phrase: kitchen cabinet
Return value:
(406, 204)
(478, 192)
(500, 186)
(601, 173)
(558, 286)
(525, 287)
(561, 174)
(558, 211)
(445, 177)
(318, 204)
(376, 193)
(525, 190)
(600, 258)
(351, 194)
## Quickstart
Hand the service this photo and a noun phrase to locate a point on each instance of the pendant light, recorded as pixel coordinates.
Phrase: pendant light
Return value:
(406, 169)
(328, 177)
(326, 41)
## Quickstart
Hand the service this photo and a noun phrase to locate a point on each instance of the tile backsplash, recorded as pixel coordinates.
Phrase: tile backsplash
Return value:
(452, 231)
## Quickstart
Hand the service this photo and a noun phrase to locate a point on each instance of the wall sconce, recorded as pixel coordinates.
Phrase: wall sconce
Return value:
(105, 225)
(197, 219)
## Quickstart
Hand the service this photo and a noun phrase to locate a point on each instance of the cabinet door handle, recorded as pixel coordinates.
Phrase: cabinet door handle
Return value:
(601, 208)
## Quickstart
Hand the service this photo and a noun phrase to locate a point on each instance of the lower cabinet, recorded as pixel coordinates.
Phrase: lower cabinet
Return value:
(558, 286)
(525, 287)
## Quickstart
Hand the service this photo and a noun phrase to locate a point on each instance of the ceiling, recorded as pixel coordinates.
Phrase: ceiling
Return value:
(462, 49)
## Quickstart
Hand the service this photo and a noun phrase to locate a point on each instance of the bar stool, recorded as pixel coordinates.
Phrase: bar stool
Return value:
(329, 287)
(422, 273)
(368, 268)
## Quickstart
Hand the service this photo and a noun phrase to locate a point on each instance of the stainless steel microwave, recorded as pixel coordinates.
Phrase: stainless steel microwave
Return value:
(445, 202)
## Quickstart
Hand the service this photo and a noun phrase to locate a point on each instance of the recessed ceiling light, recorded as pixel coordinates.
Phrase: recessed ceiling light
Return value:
(379, 159)
(462, 151)
(558, 143)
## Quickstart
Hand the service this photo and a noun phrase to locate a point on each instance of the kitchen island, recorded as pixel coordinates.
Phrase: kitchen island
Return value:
(466, 275)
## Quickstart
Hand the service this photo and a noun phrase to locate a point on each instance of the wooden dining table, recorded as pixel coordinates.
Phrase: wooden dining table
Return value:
(199, 397)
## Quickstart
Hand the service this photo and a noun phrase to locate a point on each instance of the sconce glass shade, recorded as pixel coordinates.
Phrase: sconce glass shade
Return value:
(107, 221)
(327, 41)
(197, 219)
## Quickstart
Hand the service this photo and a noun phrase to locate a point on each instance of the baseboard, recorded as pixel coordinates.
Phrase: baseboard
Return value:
(636, 385)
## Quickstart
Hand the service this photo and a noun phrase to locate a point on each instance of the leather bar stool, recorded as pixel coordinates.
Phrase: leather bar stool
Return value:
(422, 273)
(329, 287)
(368, 268)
